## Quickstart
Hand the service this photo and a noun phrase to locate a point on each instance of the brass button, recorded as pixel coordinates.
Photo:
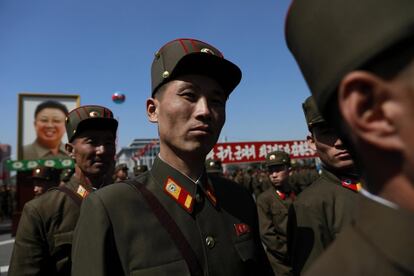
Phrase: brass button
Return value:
(198, 198)
(210, 242)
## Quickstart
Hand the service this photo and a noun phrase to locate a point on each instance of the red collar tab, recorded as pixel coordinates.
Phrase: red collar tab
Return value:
(241, 229)
(179, 194)
(351, 184)
(281, 195)
(210, 193)
(82, 191)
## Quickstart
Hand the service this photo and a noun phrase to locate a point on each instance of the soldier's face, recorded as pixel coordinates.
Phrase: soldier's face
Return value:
(93, 151)
(278, 174)
(190, 112)
(50, 126)
(330, 148)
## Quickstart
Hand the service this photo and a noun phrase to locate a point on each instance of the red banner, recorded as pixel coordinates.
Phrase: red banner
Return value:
(257, 151)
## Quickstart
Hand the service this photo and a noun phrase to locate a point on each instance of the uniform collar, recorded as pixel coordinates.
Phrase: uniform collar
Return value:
(180, 187)
(78, 186)
(45, 152)
(348, 182)
(389, 230)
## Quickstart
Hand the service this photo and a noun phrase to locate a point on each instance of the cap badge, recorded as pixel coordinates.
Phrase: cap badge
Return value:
(272, 157)
(165, 74)
(211, 163)
(94, 114)
(207, 51)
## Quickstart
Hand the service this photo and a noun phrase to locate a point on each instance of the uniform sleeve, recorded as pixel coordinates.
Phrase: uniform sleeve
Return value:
(30, 252)
(93, 250)
(266, 226)
(307, 233)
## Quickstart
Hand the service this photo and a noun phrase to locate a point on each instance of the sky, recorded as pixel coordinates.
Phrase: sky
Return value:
(95, 48)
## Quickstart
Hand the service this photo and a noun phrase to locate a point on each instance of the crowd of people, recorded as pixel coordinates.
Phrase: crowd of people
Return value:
(186, 216)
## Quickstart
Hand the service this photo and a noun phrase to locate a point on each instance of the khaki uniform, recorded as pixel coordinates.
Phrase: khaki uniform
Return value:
(379, 241)
(316, 218)
(273, 219)
(36, 151)
(44, 236)
(220, 225)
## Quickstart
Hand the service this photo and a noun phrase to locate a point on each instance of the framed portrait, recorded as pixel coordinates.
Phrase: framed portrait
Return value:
(41, 125)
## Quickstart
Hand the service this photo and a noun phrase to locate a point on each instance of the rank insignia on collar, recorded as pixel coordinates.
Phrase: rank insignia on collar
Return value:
(353, 185)
(82, 191)
(179, 194)
(241, 229)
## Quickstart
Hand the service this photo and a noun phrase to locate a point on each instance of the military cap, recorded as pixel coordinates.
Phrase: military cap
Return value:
(214, 166)
(46, 173)
(311, 112)
(191, 56)
(89, 117)
(120, 167)
(277, 158)
(138, 169)
(330, 38)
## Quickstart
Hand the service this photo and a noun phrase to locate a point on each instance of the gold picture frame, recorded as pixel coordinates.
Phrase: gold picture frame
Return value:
(27, 103)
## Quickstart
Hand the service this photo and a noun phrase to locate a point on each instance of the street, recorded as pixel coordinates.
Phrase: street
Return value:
(6, 247)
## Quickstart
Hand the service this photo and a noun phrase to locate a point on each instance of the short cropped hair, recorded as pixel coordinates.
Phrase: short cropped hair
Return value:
(51, 104)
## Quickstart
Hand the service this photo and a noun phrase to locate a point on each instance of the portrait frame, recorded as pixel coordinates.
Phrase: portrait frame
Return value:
(27, 103)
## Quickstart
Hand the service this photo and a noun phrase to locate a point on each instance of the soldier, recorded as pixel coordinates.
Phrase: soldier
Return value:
(214, 168)
(120, 173)
(180, 221)
(272, 207)
(44, 236)
(358, 60)
(45, 178)
(322, 210)
(140, 169)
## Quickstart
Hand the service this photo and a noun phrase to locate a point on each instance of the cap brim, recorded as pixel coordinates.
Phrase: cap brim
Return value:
(226, 73)
(97, 124)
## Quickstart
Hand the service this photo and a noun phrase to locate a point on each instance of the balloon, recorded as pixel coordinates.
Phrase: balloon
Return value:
(118, 98)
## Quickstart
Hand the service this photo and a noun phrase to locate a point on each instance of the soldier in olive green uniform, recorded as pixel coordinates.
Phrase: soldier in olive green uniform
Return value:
(175, 219)
(358, 60)
(273, 206)
(45, 178)
(44, 236)
(120, 173)
(323, 209)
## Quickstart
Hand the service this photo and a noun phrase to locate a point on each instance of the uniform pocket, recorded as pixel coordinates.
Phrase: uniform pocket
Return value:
(174, 268)
(62, 251)
(246, 250)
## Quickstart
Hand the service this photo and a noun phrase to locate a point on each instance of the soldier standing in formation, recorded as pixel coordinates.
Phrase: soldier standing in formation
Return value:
(45, 178)
(44, 236)
(175, 219)
(323, 209)
(362, 79)
(273, 206)
(140, 169)
(120, 173)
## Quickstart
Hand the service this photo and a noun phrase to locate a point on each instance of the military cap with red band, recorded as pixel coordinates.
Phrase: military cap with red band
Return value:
(191, 56)
(89, 117)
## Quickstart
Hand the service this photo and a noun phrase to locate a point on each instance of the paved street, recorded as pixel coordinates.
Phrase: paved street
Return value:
(6, 247)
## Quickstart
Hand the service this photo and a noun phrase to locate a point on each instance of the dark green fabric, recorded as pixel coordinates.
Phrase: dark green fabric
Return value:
(312, 114)
(273, 219)
(317, 216)
(117, 233)
(379, 241)
(44, 235)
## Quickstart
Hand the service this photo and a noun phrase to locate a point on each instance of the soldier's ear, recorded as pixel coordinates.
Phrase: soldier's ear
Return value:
(70, 150)
(152, 110)
(366, 104)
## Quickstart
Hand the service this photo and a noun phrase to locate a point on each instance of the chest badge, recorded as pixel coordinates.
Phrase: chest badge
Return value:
(179, 194)
(353, 185)
(241, 229)
(82, 191)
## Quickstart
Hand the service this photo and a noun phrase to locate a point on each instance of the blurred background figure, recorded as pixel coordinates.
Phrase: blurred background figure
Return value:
(66, 176)
(120, 173)
(45, 178)
(49, 125)
(140, 169)
(214, 168)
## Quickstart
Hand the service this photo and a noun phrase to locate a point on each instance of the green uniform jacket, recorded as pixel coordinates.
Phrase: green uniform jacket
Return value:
(44, 236)
(318, 215)
(379, 241)
(273, 219)
(37, 151)
(117, 233)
